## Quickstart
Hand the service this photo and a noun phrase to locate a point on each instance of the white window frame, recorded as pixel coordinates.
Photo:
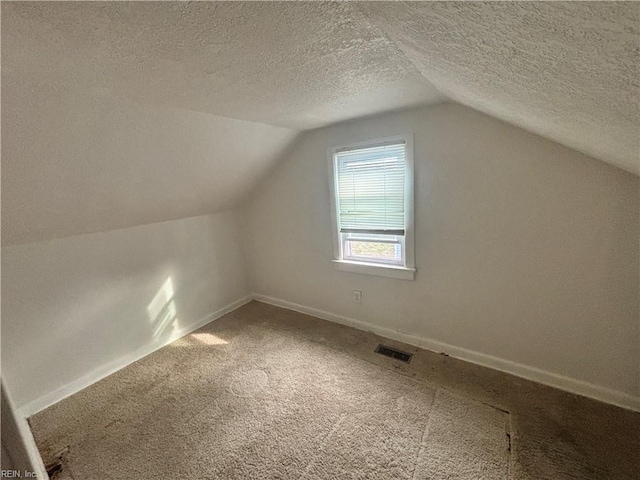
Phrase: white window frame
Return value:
(407, 270)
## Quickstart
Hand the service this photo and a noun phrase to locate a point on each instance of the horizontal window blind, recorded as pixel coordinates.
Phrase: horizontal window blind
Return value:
(371, 189)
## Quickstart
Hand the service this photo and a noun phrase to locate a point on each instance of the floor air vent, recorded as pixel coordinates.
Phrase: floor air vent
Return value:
(393, 353)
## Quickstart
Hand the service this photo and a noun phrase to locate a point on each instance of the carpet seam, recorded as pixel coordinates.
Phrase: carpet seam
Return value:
(425, 434)
(324, 445)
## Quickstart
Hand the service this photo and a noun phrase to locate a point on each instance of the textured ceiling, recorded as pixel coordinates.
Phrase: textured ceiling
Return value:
(99, 99)
(565, 70)
(299, 65)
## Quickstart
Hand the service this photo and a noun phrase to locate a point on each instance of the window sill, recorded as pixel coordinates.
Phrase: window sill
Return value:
(391, 271)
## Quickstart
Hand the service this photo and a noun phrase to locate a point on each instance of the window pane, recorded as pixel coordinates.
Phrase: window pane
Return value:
(373, 236)
(389, 252)
(370, 183)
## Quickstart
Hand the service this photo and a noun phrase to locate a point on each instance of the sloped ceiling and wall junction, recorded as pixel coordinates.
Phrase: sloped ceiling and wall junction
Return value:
(568, 71)
(159, 111)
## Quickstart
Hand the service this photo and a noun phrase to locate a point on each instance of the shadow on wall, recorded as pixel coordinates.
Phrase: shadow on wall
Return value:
(162, 311)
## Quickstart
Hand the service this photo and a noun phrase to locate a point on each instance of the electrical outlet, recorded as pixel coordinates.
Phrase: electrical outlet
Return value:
(357, 296)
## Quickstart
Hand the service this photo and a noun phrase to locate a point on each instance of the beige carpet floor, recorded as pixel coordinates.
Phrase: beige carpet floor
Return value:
(266, 393)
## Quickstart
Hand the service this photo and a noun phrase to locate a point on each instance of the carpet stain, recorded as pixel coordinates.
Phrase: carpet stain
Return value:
(54, 466)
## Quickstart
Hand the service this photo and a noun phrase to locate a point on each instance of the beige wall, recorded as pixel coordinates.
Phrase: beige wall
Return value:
(527, 251)
(76, 308)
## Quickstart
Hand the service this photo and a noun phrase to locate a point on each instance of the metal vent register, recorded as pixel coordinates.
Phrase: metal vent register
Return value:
(393, 353)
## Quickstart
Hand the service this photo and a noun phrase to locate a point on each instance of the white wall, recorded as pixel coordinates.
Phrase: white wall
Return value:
(14, 451)
(84, 164)
(19, 450)
(77, 307)
(526, 250)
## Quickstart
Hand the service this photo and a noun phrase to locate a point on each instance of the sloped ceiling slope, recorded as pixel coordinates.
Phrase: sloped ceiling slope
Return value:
(567, 71)
(71, 166)
(116, 114)
(122, 113)
(297, 65)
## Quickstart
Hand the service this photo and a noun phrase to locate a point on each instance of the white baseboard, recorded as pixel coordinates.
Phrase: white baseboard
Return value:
(562, 382)
(580, 387)
(81, 383)
(32, 449)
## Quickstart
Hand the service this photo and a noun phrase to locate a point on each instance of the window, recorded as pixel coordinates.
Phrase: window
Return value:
(373, 207)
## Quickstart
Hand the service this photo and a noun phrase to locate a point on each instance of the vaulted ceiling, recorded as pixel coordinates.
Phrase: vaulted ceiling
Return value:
(159, 110)
(298, 65)
(568, 71)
